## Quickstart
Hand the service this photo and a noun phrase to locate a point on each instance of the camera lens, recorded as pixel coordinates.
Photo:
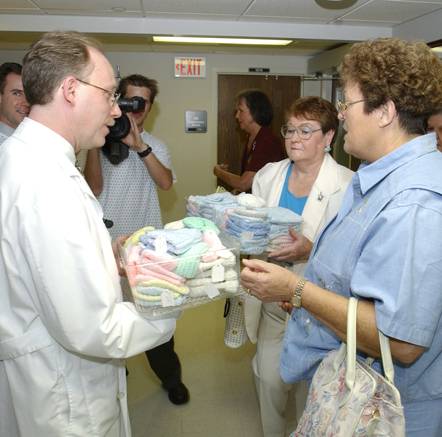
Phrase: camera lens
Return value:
(114, 149)
(120, 129)
(134, 104)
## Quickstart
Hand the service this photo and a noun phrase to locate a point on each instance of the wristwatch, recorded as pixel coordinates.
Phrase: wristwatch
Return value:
(144, 153)
(297, 294)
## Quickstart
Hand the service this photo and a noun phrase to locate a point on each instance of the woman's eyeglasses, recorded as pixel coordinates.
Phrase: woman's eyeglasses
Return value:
(343, 106)
(304, 132)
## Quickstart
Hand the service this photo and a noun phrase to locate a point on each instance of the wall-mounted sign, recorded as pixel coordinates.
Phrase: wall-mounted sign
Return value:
(190, 66)
(259, 70)
(196, 121)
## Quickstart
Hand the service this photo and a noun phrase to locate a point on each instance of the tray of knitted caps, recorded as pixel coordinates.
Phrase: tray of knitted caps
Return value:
(247, 219)
(186, 264)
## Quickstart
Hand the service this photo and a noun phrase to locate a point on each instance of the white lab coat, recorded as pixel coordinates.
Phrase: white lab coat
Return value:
(63, 326)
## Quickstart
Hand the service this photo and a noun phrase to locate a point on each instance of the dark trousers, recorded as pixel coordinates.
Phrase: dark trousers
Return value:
(165, 363)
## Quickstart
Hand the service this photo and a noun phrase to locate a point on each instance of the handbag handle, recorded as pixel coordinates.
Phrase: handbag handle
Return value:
(387, 361)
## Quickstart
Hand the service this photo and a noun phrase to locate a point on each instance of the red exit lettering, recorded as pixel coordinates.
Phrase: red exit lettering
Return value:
(189, 67)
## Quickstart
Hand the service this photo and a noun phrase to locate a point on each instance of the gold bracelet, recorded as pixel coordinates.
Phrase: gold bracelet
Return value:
(297, 294)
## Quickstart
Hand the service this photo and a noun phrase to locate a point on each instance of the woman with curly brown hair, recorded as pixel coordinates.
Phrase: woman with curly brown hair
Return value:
(385, 244)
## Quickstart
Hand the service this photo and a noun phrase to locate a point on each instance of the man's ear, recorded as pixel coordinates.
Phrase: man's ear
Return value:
(69, 88)
(386, 113)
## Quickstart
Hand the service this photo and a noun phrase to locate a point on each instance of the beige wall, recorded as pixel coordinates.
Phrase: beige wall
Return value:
(193, 155)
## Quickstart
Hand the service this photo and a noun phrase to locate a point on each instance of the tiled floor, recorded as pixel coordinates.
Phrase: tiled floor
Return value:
(223, 399)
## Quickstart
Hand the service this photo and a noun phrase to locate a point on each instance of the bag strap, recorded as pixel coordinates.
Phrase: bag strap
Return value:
(387, 361)
(350, 374)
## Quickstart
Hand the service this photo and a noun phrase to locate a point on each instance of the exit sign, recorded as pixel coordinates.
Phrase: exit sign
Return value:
(190, 66)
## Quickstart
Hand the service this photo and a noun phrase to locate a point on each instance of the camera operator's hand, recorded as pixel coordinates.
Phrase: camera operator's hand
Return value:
(133, 138)
(161, 175)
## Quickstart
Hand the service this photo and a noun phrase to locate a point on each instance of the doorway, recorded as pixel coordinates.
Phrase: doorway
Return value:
(281, 90)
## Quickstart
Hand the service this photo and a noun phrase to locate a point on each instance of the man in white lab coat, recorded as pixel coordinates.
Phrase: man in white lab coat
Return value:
(63, 326)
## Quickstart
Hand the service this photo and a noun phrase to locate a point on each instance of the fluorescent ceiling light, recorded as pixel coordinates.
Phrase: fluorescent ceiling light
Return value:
(437, 49)
(204, 40)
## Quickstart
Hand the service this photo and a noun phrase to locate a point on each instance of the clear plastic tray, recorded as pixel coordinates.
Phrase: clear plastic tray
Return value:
(162, 288)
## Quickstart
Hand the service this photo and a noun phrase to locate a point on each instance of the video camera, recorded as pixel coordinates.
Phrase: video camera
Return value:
(114, 149)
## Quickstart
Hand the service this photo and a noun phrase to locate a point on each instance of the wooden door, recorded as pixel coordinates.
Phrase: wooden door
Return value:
(282, 91)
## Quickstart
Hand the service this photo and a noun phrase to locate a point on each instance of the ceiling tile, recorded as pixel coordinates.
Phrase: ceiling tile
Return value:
(393, 11)
(228, 7)
(98, 13)
(247, 15)
(17, 4)
(387, 23)
(191, 16)
(24, 12)
(282, 19)
(418, 1)
(89, 5)
(305, 9)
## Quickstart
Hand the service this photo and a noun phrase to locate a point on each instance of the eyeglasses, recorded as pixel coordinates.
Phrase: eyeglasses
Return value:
(343, 106)
(304, 132)
(113, 96)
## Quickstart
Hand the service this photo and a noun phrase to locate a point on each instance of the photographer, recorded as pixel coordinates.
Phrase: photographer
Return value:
(147, 165)
(127, 192)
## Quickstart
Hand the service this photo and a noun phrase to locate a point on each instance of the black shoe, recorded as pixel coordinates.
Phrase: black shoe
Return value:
(179, 394)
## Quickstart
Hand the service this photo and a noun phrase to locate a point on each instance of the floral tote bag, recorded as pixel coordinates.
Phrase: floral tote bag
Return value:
(348, 398)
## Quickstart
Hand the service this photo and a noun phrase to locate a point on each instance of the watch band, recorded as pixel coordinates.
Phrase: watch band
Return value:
(145, 153)
(297, 294)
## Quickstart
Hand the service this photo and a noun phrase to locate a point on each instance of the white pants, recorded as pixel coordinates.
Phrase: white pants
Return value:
(281, 404)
